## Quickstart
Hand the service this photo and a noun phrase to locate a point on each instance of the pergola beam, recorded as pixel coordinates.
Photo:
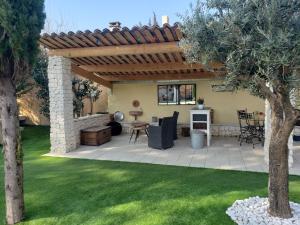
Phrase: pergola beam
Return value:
(171, 76)
(136, 49)
(91, 76)
(132, 68)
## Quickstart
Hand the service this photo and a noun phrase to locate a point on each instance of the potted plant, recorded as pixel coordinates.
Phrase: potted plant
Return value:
(200, 103)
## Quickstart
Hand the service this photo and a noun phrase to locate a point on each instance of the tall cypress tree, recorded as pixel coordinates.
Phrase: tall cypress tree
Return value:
(21, 22)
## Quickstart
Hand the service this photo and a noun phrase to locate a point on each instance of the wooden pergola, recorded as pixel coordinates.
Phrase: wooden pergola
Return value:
(140, 53)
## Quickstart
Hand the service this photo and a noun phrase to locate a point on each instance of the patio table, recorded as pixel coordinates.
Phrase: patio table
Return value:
(136, 128)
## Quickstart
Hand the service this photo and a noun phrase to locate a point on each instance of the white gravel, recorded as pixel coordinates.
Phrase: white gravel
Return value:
(253, 211)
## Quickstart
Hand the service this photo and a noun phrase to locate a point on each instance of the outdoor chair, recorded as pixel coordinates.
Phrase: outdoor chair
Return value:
(175, 119)
(162, 137)
(248, 131)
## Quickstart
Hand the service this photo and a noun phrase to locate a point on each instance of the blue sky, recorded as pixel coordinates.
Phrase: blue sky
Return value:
(92, 14)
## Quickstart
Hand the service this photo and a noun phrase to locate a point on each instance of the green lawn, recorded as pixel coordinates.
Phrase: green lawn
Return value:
(72, 191)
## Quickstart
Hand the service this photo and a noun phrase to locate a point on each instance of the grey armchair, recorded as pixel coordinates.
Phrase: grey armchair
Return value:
(161, 137)
(175, 118)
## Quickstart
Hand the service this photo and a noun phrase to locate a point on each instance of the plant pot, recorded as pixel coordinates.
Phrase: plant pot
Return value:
(200, 106)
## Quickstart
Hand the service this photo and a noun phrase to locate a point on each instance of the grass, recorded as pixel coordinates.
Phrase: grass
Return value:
(74, 191)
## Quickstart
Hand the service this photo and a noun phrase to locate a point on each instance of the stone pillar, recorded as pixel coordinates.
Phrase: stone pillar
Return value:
(62, 136)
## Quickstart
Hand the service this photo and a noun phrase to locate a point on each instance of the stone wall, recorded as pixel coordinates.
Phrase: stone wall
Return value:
(89, 121)
(226, 130)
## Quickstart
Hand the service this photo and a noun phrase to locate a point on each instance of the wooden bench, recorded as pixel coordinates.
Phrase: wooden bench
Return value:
(95, 135)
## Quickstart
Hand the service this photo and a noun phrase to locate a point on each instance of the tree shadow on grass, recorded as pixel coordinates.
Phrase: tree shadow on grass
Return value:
(63, 187)
(76, 191)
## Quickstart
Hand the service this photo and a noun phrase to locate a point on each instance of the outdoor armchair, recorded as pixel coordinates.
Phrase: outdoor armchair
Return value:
(161, 137)
(175, 118)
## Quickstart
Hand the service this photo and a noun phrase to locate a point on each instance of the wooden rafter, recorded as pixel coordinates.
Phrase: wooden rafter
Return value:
(137, 49)
(140, 53)
(170, 76)
(90, 76)
(131, 68)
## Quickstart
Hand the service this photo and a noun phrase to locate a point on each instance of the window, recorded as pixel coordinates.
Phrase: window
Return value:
(177, 94)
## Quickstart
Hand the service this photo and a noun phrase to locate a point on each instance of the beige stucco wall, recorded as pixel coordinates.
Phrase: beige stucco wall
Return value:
(29, 106)
(224, 104)
(101, 105)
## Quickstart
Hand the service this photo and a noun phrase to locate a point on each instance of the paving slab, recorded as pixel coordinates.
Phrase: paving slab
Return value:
(224, 153)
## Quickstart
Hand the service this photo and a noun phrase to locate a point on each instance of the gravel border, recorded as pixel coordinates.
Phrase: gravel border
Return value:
(254, 211)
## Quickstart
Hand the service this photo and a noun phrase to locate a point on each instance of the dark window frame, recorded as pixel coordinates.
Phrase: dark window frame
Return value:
(178, 93)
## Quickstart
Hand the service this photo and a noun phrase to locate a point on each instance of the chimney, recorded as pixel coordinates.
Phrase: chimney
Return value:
(114, 25)
(165, 19)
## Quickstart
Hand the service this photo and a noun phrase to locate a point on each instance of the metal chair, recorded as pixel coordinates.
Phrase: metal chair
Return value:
(246, 129)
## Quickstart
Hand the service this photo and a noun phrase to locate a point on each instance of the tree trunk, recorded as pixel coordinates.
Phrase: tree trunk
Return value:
(282, 126)
(13, 156)
(92, 106)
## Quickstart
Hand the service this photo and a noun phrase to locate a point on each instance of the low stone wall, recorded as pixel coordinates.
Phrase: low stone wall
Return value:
(89, 121)
(226, 130)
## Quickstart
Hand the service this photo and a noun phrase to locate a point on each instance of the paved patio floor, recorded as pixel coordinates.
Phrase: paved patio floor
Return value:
(224, 153)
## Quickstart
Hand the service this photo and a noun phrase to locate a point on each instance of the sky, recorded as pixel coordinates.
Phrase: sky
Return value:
(67, 15)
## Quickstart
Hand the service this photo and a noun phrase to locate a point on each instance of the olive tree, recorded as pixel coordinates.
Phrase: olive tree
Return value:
(84, 89)
(21, 22)
(258, 41)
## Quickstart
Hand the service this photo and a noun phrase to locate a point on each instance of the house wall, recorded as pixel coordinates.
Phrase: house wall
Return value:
(224, 104)
(29, 106)
(101, 105)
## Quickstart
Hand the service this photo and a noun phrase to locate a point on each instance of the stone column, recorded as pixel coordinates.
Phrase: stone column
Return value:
(62, 135)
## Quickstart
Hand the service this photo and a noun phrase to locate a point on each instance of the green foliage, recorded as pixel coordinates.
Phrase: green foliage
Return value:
(83, 89)
(21, 22)
(257, 40)
(40, 76)
(80, 93)
(93, 94)
(23, 86)
(151, 22)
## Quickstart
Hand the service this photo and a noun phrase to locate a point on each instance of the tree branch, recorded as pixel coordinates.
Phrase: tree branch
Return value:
(2, 36)
(261, 83)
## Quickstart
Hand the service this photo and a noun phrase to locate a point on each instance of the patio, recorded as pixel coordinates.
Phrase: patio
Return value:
(136, 65)
(224, 153)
